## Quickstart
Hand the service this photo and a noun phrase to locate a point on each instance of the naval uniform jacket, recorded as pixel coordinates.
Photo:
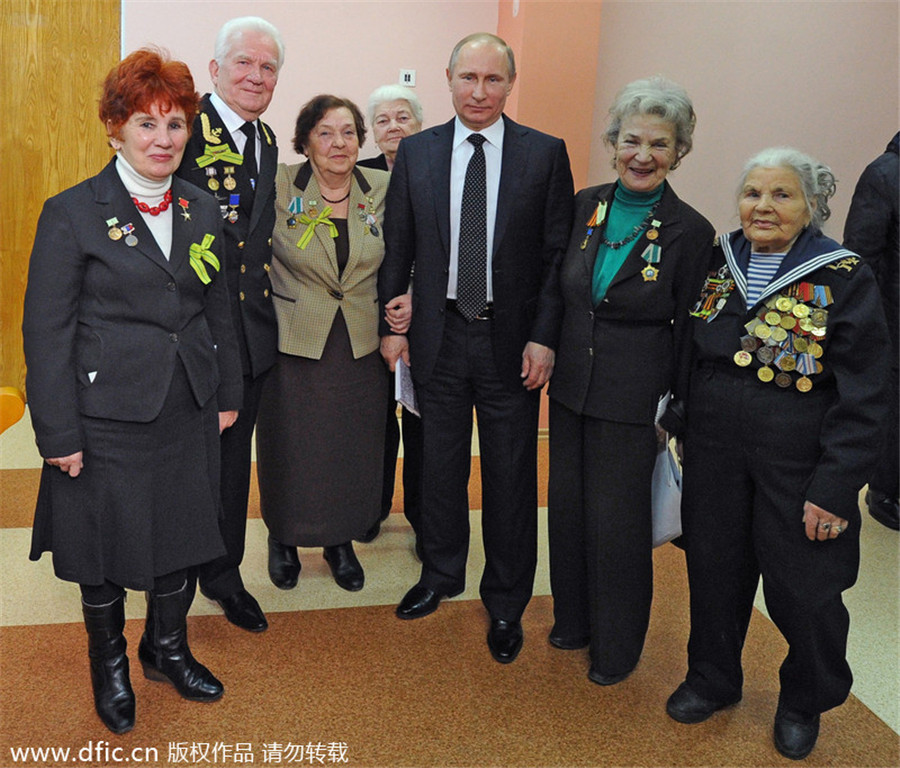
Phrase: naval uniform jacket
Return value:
(308, 286)
(106, 323)
(616, 360)
(846, 401)
(248, 239)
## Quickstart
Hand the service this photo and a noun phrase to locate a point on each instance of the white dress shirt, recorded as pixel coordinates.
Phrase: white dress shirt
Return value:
(459, 161)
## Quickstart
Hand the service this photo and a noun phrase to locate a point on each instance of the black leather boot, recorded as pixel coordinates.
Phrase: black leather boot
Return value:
(164, 652)
(113, 696)
(345, 568)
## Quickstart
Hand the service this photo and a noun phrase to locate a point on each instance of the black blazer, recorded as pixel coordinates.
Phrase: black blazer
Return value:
(534, 211)
(248, 241)
(94, 304)
(615, 360)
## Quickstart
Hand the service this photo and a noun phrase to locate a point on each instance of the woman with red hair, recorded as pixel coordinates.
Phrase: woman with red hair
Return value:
(133, 371)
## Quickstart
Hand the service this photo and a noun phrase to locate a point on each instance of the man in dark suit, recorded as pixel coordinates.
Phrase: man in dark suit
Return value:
(483, 206)
(233, 154)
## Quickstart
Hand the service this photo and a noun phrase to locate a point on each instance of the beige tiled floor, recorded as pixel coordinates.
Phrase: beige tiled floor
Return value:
(29, 594)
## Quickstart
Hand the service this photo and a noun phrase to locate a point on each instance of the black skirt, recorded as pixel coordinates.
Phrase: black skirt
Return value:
(320, 444)
(146, 502)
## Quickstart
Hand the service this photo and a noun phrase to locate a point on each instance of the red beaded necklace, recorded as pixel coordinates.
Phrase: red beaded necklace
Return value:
(156, 209)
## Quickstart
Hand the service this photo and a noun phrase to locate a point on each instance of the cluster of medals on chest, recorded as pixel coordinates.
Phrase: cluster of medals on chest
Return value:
(785, 335)
(365, 212)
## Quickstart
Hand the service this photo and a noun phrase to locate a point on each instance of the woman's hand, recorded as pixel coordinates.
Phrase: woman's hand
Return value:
(820, 524)
(398, 313)
(226, 419)
(71, 465)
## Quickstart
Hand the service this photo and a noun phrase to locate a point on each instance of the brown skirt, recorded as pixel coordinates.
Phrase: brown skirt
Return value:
(320, 444)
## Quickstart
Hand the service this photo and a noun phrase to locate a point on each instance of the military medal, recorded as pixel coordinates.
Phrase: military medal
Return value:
(184, 208)
(114, 232)
(233, 202)
(596, 220)
(128, 230)
(228, 182)
(804, 384)
(742, 358)
(212, 182)
(295, 207)
(765, 374)
(749, 343)
(765, 355)
(654, 232)
(652, 254)
(783, 380)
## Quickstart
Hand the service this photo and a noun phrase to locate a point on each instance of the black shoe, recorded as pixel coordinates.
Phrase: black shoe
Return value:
(242, 610)
(284, 565)
(568, 642)
(420, 601)
(687, 706)
(164, 653)
(347, 572)
(795, 734)
(598, 677)
(884, 509)
(504, 640)
(113, 695)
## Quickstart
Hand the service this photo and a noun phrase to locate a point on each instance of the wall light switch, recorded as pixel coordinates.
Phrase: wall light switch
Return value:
(408, 77)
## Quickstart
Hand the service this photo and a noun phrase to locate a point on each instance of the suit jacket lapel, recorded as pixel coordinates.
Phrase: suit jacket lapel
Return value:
(267, 167)
(183, 228)
(114, 200)
(439, 160)
(515, 158)
(306, 182)
(592, 244)
(356, 225)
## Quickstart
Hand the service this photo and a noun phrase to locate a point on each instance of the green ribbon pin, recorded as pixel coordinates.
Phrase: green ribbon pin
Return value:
(310, 222)
(223, 153)
(200, 253)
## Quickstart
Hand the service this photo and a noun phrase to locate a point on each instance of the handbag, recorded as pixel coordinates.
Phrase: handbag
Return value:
(665, 498)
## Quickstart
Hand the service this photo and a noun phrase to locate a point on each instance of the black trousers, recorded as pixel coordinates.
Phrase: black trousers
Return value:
(411, 426)
(221, 577)
(748, 454)
(464, 377)
(599, 525)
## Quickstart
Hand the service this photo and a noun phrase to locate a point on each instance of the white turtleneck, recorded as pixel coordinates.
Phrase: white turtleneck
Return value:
(152, 193)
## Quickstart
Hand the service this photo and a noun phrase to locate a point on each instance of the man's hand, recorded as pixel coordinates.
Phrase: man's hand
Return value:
(393, 347)
(398, 313)
(537, 365)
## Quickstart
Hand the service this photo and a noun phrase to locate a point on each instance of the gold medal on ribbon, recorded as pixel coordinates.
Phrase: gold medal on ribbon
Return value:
(783, 304)
(650, 272)
(228, 182)
(801, 311)
(743, 359)
(765, 374)
(212, 182)
(772, 318)
(804, 384)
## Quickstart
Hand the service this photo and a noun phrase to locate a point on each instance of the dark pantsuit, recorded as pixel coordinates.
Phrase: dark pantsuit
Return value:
(221, 577)
(464, 376)
(601, 564)
(749, 455)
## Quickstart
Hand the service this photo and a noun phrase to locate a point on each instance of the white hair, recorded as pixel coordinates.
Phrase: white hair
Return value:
(394, 92)
(816, 179)
(232, 30)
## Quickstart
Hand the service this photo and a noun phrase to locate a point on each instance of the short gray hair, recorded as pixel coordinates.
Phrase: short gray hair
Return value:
(485, 37)
(655, 96)
(394, 92)
(234, 28)
(816, 179)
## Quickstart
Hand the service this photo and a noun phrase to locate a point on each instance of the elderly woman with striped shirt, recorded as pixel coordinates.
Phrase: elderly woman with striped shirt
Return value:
(784, 412)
